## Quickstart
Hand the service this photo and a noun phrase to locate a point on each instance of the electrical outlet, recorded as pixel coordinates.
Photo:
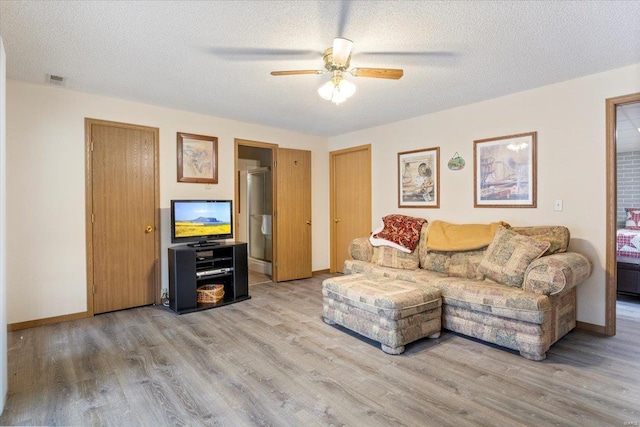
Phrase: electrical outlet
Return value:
(557, 205)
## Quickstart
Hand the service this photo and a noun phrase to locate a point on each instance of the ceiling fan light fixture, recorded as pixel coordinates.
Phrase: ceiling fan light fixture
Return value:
(347, 88)
(341, 50)
(326, 91)
(337, 90)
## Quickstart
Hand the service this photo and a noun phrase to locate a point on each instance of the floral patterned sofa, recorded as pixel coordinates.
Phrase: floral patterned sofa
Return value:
(518, 292)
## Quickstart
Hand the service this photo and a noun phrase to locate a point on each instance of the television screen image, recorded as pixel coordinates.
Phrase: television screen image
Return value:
(201, 220)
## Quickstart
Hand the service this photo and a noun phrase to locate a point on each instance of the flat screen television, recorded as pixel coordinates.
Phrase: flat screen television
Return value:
(200, 223)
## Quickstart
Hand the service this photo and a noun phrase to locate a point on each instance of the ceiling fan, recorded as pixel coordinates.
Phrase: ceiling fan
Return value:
(336, 61)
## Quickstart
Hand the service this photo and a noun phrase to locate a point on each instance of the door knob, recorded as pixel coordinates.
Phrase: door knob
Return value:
(337, 220)
(308, 222)
(149, 229)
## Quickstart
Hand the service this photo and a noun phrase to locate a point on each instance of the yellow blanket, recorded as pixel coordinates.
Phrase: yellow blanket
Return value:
(444, 236)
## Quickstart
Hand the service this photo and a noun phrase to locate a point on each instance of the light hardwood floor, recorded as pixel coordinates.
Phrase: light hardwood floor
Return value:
(271, 360)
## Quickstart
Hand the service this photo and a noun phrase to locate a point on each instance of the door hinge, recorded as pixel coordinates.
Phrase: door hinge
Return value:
(275, 264)
(93, 289)
(91, 146)
(275, 163)
(93, 218)
(275, 213)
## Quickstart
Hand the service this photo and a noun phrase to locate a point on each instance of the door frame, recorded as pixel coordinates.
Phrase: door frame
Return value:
(237, 142)
(332, 198)
(611, 270)
(88, 122)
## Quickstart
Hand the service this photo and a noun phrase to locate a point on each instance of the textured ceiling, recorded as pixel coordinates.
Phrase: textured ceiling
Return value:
(215, 57)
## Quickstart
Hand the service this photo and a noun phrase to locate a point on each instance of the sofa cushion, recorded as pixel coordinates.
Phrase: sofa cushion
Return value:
(509, 255)
(465, 264)
(488, 297)
(457, 264)
(557, 235)
(435, 261)
(398, 231)
(386, 256)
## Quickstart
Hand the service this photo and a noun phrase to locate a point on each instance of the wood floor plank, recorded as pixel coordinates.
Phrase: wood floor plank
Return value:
(271, 360)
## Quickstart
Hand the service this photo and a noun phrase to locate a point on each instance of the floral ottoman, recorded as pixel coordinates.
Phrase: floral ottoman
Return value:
(390, 311)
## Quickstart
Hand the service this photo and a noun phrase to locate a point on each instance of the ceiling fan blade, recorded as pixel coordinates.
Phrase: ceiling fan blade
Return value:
(378, 73)
(341, 50)
(295, 72)
(345, 10)
(425, 53)
(242, 54)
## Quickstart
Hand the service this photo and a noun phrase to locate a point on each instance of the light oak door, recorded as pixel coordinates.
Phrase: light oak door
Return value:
(123, 236)
(292, 215)
(350, 195)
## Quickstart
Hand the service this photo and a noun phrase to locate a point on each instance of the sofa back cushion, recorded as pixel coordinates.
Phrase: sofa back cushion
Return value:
(386, 256)
(457, 264)
(558, 236)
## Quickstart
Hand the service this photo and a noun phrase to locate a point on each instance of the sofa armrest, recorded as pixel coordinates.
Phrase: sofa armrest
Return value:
(553, 274)
(361, 249)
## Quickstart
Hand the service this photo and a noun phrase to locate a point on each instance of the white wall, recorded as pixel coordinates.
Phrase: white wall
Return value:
(3, 229)
(570, 120)
(45, 187)
(46, 184)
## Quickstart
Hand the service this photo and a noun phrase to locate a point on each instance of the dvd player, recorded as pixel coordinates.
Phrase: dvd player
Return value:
(215, 271)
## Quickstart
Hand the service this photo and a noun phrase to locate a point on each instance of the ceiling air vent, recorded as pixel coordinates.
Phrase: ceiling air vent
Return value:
(56, 80)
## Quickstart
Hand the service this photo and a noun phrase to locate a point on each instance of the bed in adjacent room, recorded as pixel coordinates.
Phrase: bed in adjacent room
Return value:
(628, 243)
(628, 253)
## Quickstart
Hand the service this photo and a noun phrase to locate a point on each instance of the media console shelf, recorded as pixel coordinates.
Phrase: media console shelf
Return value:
(192, 267)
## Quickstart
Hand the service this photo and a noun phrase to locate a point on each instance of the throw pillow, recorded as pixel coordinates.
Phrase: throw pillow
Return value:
(398, 231)
(633, 219)
(508, 256)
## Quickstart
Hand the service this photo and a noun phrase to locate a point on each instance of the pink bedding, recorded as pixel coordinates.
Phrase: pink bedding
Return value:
(628, 243)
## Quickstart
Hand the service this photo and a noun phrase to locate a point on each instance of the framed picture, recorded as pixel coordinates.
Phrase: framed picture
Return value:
(504, 171)
(419, 178)
(197, 158)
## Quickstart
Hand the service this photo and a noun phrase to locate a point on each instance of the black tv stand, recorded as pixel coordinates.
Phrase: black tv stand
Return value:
(193, 266)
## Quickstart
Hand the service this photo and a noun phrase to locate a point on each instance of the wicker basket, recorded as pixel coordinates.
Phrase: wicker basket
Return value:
(210, 293)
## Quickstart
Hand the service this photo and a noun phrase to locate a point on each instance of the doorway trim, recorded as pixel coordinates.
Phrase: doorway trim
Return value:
(88, 122)
(612, 210)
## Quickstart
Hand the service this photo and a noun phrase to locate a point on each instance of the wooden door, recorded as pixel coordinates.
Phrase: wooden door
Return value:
(123, 244)
(292, 215)
(350, 195)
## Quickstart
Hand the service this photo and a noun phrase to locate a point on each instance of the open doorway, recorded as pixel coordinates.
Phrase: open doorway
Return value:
(628, 209)
(623, 261)
(255, 207)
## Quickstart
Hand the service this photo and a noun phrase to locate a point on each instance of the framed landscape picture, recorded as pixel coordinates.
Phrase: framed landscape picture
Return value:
(419, 178)
(504, 171)
(197, 158)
